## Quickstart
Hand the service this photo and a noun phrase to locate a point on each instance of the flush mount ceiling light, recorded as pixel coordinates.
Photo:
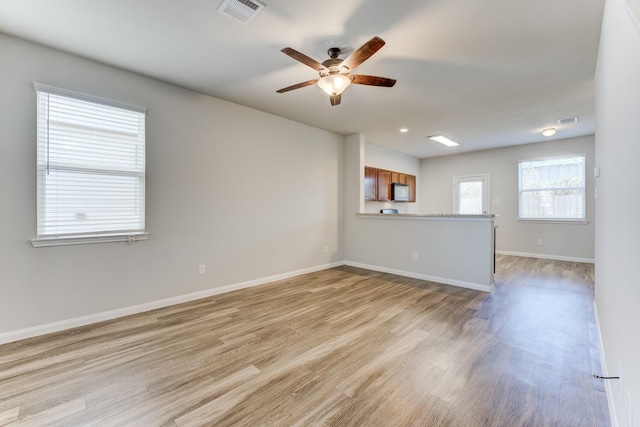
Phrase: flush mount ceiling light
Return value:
(549, 132)
(404, 130)
(443, 140)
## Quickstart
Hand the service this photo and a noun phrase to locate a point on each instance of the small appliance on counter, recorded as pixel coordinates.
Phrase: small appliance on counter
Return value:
(388, 211)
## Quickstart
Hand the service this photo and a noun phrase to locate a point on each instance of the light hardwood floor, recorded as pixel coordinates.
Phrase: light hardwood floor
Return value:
(341, 347)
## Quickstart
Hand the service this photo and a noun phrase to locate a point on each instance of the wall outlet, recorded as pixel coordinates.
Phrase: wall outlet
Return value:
(202, 269)
(414, 256)
(539, 242)
(326, 249)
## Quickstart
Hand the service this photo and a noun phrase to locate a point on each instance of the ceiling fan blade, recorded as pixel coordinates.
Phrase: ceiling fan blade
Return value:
(298, 86)
(335, 99)
(361, 79)
(363, 53)
(301, 57)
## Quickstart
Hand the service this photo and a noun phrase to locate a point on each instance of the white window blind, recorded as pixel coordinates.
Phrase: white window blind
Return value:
(91, 165)
(552, 188)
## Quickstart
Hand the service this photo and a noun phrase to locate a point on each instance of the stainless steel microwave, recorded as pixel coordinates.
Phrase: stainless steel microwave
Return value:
(399, 192)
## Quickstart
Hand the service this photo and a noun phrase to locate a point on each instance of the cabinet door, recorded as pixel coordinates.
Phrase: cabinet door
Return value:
(395, 177)
(402, 178)
(384, 185)
(411, 182)
(370, 183)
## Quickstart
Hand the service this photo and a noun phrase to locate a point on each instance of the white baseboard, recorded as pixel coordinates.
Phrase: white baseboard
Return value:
(446, 281)
(48, 328)
(603, 361)
(545, 256)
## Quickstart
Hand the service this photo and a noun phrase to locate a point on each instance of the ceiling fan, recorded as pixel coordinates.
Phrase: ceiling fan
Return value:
(334, 72)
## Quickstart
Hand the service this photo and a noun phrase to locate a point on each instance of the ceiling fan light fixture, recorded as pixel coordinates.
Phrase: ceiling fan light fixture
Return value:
(443, 140)
(334, 84)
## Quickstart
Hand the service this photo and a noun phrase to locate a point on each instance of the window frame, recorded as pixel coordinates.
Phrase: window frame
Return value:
(583, 219)
(93, 236)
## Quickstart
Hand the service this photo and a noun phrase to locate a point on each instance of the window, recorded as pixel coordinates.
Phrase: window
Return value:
(552, 188)
(471, 194)
(91, 169)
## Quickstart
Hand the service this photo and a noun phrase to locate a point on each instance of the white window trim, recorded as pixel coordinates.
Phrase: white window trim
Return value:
(129, 237)
(81, 240)
(41, 87)
(577, 221)
(555, 220)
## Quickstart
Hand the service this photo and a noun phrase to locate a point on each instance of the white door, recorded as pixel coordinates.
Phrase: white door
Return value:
(471, 194)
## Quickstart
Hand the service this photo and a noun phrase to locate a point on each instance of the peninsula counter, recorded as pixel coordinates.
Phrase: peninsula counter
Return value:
(445, 248)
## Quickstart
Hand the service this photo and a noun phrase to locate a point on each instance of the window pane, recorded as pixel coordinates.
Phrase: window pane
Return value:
(82, 134)
(552, 204)
(552, 188)
(91, 203)
(553, 173)
(470, 197)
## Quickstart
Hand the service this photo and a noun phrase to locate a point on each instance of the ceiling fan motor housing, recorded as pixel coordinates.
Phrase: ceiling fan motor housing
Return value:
(333, 52)
(332, 66)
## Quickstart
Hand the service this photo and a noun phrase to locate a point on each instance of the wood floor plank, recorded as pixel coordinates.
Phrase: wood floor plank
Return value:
(340, 347)
(9, 415)
(53, 415)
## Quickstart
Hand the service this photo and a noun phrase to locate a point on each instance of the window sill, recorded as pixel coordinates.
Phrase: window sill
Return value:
(555, 221)
(81, 240)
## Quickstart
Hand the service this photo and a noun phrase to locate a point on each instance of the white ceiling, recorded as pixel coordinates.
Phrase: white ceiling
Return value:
(485, 73)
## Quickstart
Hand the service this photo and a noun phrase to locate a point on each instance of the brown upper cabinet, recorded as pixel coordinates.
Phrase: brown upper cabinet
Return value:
(370, 184)
(384, 185)
(411, 182)
(397, 177)
(377, 184)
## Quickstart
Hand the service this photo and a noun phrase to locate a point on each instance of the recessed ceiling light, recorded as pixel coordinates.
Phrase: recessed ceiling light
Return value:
(444, 140)
(549, 132)
(404, 130)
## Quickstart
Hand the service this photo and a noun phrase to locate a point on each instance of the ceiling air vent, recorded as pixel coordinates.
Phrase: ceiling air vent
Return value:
(243, 11)
(568, 121)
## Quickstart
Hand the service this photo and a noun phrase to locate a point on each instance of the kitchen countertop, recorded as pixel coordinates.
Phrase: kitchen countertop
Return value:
(424, 216)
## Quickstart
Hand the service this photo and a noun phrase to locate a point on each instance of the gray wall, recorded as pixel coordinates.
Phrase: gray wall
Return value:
(618, 203)
(560, 240)
(249, 194)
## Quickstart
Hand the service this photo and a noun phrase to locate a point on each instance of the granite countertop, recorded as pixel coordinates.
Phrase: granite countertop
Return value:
(426, 216)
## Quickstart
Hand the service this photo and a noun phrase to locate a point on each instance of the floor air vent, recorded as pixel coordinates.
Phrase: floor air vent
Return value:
(243, 11)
